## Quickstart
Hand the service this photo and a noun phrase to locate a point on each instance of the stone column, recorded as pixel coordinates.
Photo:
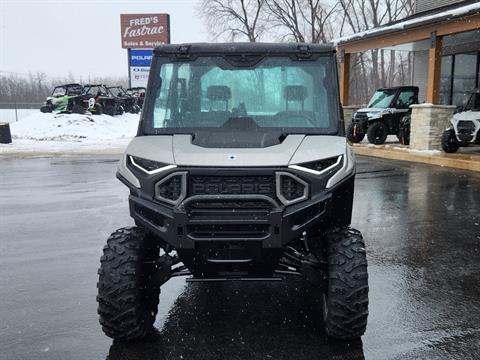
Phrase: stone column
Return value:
(348, 112)
(428, 124)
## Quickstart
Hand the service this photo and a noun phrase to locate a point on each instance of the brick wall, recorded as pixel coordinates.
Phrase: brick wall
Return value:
(428, 123)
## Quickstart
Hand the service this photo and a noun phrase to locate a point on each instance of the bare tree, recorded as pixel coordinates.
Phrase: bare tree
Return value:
(303, 20)
(234, 17)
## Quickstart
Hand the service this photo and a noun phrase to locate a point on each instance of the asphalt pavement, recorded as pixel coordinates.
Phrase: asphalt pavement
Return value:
(422, 229)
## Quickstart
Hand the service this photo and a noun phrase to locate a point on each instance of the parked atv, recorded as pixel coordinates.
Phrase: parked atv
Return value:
(139, 93)
(465, 128)
(98, 100)
(240, 171)
(387, 113)
(65, 99)
(128, 102)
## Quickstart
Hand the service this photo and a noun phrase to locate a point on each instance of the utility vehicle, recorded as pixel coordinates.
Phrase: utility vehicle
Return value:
(65, 99)
(139, 93)
(465, 125)
(387, 113)
(98, 100)
(127, 101)
(240, 171)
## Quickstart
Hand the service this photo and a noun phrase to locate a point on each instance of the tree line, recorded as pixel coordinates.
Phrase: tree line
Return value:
(317, 21)
(35, 87)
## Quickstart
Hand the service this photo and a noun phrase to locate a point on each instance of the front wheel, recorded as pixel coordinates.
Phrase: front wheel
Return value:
(346, 299)
(377, 133)
(355, 133)
(127, 305)
(450, 143)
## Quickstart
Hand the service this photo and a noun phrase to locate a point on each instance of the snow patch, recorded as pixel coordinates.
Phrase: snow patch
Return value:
(41, 132)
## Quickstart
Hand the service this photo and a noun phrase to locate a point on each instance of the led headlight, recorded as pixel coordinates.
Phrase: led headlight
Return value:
(319, 167)
(149, 166)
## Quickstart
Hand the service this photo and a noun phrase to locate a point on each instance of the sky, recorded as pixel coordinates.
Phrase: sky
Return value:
(81, 37)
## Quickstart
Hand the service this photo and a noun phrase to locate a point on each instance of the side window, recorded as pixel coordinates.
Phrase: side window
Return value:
(405, 99)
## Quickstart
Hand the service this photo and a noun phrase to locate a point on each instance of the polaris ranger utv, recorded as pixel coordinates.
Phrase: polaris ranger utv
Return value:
(240, 171)
(465, 125)
(387, 113)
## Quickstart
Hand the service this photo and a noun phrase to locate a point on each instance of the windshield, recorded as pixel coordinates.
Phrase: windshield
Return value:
(382, 98)
(117, 91)
(59, 91)
(277, 93)
(473, 103)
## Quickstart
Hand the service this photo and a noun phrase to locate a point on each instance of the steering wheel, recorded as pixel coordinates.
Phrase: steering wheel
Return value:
(293, 117)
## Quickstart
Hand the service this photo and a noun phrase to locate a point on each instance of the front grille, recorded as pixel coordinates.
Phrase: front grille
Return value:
(360, 116)
(466, 127)
(226, 231)
(231, 185)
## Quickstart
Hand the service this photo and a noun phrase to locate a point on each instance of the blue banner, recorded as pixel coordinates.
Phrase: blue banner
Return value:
(140, 57)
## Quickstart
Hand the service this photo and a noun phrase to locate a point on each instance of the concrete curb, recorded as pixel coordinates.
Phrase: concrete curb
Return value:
(35, 154)
(458, 161)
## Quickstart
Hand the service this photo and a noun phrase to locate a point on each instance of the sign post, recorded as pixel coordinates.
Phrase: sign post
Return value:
(140, 34)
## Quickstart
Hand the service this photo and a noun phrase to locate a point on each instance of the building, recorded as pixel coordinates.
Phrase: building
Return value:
(444, 36)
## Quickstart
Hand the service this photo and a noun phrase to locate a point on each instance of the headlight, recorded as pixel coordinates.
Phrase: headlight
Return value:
(319, 167)
(149, 167)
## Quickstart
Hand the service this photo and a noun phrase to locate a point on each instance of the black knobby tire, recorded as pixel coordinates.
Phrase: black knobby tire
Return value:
(46, 109)
(377, 133)
(109, 110)
(346, 299)
(450, 143)
(126, 305)
(404, 136)
(78, 109)
(98, 109)
(354, 133)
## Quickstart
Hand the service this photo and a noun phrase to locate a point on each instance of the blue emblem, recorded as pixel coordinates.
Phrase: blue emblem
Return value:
(232, 157)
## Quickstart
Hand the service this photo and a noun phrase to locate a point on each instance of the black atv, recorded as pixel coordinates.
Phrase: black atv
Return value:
(98, 100)
(139, 93)
(387, 113)
(240, 170)
(128, 102)
(65, 99)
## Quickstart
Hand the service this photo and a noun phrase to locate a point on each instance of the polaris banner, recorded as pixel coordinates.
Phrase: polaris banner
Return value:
(139, 76)
(141, 57)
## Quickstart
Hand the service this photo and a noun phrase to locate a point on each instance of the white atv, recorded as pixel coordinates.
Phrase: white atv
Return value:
(465, 127)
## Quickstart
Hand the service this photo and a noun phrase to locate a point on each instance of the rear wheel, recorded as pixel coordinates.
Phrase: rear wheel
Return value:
(354, 133)
(78, 109)
(377, 133)
(450, 143)
(98, 109)
(109, 110)
(127, 305)
(346, 298)
(46, 109)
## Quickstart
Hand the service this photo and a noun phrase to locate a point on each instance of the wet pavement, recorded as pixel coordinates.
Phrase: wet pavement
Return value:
(422, 228)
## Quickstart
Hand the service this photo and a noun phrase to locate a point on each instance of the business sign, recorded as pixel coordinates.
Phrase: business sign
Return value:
(139, 76)
(144, 31)
(141, 57)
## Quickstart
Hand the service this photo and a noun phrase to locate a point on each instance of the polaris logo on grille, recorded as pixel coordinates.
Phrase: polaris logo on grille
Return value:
(263, 189)
(232, 157)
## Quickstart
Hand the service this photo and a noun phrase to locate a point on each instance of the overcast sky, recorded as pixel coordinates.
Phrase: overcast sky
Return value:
(82, 37)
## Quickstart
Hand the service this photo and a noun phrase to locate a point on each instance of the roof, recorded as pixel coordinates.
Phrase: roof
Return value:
(242, 47)
(68, 85)
(444, 13)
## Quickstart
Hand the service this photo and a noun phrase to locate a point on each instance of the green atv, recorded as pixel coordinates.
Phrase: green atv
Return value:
(65, 99)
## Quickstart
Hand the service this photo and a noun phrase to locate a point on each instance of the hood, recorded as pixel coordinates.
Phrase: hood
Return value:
(371, 110)
(179, 150)
(467, 115)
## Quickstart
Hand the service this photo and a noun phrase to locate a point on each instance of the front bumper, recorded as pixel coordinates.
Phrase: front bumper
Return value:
(202, 219)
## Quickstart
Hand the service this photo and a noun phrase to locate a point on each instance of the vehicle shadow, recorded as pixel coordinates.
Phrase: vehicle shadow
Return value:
(239, 320)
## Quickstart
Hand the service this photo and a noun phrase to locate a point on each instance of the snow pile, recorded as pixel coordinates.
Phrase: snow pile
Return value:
(75, 127)
(71, 133)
